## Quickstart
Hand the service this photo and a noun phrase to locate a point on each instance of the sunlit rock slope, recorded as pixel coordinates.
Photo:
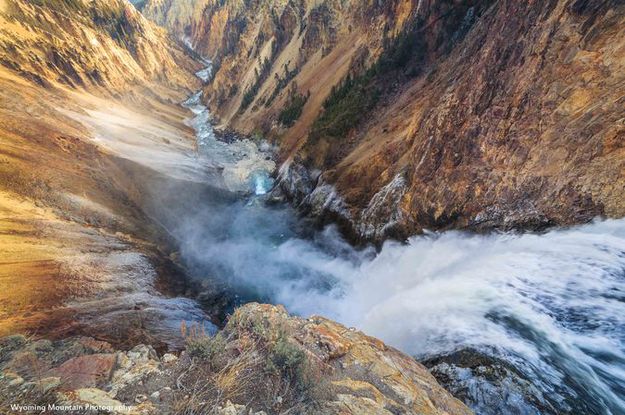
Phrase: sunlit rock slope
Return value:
(87, 90)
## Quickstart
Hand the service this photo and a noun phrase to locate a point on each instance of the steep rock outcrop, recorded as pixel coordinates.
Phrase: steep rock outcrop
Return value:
(89, 94)
(102, 44)
(521, 126)
(180, 17)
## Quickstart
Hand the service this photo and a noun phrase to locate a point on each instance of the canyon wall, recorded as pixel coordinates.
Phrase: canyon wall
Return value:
(80, 44)
(394, 117)
(88, 92)
(179, 17)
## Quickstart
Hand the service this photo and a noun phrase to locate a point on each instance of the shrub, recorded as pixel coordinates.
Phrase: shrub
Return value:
(10, 344)
(346, 106)
(398, 55)
(234, 89)
(205, 347)
(286, 357)
(201, 346)
(293, 110)
(348, 103)
(252, 361)
(252, 91)
(59, 4)
(281, 83)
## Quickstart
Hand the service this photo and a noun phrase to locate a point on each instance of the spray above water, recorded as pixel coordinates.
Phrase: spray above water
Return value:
(552, 305)
(262, 183)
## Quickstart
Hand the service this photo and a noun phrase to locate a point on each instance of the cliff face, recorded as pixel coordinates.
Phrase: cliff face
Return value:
(179, 17)
(101, 44)
(429, 114)
(521, 126)
(270, 53)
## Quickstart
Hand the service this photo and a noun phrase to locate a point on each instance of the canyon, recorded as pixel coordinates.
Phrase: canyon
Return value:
(475, 115)
(447, 176)
(94, 141)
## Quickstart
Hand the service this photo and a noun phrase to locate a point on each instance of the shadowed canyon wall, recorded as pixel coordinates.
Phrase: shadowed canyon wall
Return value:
(398, 116)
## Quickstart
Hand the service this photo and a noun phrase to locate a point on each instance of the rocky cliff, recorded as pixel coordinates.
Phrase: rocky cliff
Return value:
(262, 362)
(179, 17)
(397, 116)
(106, 44)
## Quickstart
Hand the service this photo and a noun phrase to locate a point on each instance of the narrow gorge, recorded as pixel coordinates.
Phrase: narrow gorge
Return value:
(205, 205)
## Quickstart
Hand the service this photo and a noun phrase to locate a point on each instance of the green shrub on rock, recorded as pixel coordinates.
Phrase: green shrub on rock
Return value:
(293, 110)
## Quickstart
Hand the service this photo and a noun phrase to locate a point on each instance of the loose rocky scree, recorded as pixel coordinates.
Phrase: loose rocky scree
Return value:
(262, 362)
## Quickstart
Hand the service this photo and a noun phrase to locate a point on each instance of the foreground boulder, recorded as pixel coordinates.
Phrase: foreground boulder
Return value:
(262, 362)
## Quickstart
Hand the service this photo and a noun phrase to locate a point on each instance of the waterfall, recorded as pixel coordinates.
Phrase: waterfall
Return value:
(551, 305)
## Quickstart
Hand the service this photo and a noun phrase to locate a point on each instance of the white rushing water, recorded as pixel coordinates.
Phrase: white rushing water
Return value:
(242, 162)
(551, 305)
(206, 73)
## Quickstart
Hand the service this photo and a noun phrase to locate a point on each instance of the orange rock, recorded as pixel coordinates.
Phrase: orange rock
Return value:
(511, 119)
(85, 371)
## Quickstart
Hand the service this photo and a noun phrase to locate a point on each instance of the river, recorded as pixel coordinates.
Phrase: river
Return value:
(511, 323)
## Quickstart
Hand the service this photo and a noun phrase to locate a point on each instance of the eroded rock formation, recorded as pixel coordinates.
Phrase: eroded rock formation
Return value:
(89, 96)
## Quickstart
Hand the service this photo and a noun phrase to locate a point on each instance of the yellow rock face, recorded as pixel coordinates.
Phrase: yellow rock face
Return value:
(103, 45)
(73, 84)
